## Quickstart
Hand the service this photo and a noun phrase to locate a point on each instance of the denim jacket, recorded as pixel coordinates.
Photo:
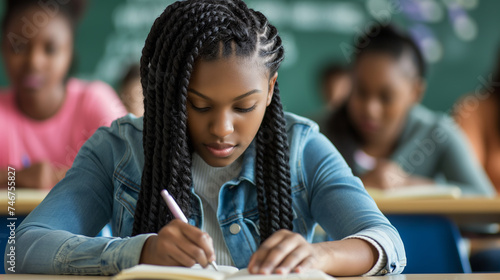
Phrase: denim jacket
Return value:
(102, 186)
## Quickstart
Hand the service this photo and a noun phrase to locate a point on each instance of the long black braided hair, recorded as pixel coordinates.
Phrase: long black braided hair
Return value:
(185, 32)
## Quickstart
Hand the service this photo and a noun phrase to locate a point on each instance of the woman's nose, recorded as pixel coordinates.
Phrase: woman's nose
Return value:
(222, 125)
(35, 58)
(372, 108)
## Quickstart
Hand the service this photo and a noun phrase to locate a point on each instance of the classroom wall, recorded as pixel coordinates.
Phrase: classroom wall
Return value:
(461, 38)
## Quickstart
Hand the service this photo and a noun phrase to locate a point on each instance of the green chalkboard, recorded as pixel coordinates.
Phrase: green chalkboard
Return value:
(465, 34)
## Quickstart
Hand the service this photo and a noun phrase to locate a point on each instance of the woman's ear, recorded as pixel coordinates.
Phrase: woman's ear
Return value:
(270, 90)
(420, 87)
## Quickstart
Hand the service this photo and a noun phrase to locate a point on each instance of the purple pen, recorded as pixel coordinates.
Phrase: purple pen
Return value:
(177, 212)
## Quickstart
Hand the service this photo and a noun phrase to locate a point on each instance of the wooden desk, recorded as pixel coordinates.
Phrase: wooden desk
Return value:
(474, 276)
(26, 200)
(462, 211)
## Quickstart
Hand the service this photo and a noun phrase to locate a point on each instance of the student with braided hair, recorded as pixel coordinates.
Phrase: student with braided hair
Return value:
(45, 114)
(252, 180)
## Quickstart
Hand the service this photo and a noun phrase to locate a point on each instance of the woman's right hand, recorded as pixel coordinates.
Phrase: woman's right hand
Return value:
(178, 244)
(389, 175)
(385, 175)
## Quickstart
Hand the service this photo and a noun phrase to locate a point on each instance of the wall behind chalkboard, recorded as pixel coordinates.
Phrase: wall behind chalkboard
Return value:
(460, 37)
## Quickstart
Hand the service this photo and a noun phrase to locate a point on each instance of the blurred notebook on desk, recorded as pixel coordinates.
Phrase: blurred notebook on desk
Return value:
(416, 192)
(27, 194)
(25, 200)
(145, 271)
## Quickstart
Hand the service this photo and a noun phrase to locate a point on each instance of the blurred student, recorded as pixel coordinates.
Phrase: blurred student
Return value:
(336, 84)
(479, 117)
(387, 138)
(45, 115)
(131, 91)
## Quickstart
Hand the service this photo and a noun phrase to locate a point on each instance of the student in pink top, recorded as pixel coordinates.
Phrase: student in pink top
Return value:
(45, 116)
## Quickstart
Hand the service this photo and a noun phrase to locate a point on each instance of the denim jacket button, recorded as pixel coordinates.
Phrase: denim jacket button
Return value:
(235, 228)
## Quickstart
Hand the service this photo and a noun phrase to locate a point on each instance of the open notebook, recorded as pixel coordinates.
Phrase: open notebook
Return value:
(145, 271)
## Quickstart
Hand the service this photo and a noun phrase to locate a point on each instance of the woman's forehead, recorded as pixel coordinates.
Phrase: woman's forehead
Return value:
(227, 68)
(383, 64)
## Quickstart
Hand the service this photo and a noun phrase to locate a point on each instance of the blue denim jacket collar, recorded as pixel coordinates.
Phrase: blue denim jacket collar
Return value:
(248, 166)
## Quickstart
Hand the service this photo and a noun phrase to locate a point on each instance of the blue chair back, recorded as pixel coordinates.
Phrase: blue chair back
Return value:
(433, 244)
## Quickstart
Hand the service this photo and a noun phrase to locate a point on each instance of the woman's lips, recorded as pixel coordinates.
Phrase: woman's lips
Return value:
(220, 150)
(369, 126)
(33, 81)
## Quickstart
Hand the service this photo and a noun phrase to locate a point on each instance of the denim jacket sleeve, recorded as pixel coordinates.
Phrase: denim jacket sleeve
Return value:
(340, 203)
(58, 237)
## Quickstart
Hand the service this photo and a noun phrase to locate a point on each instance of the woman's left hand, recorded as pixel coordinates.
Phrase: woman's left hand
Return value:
(285, 252)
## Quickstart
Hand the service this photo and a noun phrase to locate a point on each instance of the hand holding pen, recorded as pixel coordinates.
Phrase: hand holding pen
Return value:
(178, 244)
(177, 212)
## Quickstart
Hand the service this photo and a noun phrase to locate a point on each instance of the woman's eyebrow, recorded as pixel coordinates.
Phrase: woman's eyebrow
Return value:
(235, 99)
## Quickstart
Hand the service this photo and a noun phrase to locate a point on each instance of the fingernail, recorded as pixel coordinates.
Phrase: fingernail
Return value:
(266, 270)
(282, 270)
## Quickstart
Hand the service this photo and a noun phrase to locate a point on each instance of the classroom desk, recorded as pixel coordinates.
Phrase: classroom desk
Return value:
(462, 211)
(25, 201)
(474, 276)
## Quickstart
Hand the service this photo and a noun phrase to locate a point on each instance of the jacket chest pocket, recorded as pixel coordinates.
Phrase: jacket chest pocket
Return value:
(252, 223)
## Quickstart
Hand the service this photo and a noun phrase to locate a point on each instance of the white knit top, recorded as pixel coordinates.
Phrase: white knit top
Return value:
(207, 182)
